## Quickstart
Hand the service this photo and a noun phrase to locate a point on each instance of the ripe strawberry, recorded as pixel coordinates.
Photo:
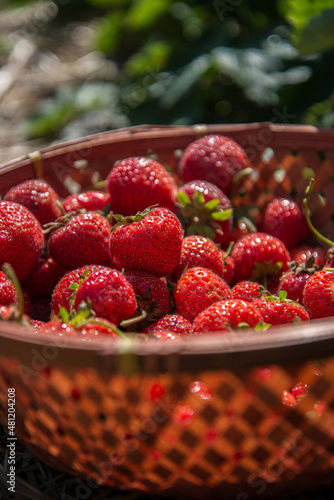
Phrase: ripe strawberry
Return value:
(90, 201)
(137, 182)
(228, 266)
(227, 315)
(196, 290)
(259, 255)
(164, 336)
(88, 330)
(205, 210)
(61, 296)
(8, 293)
(21, 238)
(277, 312)
(151, 292)
(82, 241)
(318, 295)
(213, 158)
(284, 219)
(171, 323)
(40, 199)
(43, 278)
(247, 290)
(301, 254)
(198, 251)
(109, 295)
(293, 285)
(241, 227)
(150, 241)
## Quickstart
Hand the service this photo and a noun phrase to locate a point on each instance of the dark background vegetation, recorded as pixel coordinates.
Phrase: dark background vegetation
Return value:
(169, 62)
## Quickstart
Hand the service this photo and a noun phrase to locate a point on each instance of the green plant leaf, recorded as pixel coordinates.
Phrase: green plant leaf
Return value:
(318, 34)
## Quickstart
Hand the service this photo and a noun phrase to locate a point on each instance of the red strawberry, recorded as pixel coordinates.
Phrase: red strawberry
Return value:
(293, 282)
(228, 267)
(278, 312)
(82, 241)
(241, 227)
(90, 200)
(302, 254)
(63, 291)
(293, 285)
(247, 290)
(40, 198)
(98, 326)
(152, 293)
(138, 182)
(8, 293)
(284, 219)
(198, 251)
(21, 238)
(196, 290)
(150, 241)
(227, 315)
(109, 295)
(213, 158)
(43, 278)
(171, 323)
(164, 336)
(90, 328)
(205, 210)
(318, 295)
(259, 255)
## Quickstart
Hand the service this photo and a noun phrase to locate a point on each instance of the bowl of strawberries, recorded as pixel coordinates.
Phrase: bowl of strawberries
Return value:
(166, 308)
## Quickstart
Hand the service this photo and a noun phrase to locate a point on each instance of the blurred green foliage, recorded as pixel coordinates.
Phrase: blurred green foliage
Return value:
(185, 62)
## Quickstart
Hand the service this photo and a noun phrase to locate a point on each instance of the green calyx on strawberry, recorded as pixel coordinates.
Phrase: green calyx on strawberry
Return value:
(84, 316)
(149, 241)
(129, 219)
(202, 217)
(61, 221)
(278, 310)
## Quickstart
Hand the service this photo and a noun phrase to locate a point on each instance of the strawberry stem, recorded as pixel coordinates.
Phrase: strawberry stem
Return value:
(237, 179)
(10, 273)
(60, 206)
(133, 320)
(306, 201)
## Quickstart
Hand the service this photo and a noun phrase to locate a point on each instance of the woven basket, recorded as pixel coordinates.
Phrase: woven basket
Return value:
(200, 418)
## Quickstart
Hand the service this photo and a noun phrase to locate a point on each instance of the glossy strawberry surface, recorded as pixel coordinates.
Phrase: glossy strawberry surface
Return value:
(84, 240)
(21, 238)
(284, 219)
(318, 295)
(213, 158)
(227, 315)
(152, 243)
(89, 200)
(39, 197)
(198, 251)
(257, 255)
(109, 295)
(136, 183)
(277, 312)
(196, 290)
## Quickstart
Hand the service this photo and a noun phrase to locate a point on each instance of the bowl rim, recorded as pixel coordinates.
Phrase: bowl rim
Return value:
(281, 344)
